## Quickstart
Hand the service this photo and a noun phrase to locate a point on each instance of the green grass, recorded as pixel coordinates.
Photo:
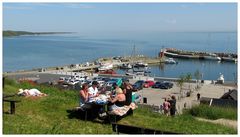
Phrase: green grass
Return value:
(48, 115)
(185, 124)
(213, 113)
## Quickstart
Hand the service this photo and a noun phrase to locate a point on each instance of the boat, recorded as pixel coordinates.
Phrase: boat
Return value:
(134, 72)
(109, 71)
(105, 66)
(170, 61)
(126, 66)
(212, 56)
(173, 53)
(229, 58)
(140, 64)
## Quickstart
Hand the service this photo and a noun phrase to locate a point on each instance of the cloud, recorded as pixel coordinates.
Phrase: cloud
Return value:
(17, 8)
(78, 6)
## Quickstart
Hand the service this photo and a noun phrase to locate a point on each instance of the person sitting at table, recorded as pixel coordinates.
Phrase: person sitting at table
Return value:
(93, 90)
(118, 100)
(83, 94)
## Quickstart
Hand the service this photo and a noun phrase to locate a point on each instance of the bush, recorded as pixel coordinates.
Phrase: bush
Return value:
(213, 112)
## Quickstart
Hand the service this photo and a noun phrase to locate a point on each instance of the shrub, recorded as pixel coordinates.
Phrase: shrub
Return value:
(213, 112)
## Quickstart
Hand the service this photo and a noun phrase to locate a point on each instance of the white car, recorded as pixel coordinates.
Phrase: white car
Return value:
(73, 82)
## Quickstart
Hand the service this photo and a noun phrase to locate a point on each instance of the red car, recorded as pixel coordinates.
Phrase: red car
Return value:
(148, 83)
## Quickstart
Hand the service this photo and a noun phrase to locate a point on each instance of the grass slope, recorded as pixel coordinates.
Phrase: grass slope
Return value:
(213, 113)
(185, 124)
(48, 115)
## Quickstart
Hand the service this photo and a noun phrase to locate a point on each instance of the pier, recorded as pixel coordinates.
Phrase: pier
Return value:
(175, 53)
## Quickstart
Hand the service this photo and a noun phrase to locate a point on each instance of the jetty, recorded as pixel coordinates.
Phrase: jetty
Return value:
(175, 53)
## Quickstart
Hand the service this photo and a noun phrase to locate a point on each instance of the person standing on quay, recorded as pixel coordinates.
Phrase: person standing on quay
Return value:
(198, 96)
(166, 106)
(172, 106)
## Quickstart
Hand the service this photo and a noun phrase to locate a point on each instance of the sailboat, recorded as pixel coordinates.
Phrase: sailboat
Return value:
(138, 68)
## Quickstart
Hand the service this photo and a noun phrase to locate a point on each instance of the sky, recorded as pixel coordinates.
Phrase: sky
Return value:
(120, 17)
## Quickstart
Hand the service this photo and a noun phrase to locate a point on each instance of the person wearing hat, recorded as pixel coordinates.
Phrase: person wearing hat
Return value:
(93, 90)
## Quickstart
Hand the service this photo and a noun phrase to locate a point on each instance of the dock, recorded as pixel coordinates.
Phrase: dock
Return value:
(176, 53)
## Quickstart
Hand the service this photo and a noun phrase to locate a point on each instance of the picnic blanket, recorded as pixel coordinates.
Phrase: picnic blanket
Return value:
(120, 111)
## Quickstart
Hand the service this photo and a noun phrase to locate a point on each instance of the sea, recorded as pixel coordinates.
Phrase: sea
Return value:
(37, 51)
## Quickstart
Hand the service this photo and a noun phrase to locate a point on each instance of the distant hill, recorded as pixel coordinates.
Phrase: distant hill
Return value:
(9, 33)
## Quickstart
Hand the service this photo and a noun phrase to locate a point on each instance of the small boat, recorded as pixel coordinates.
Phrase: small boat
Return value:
(134, 72)
(126, 66)
(140, 64)
(106, 66)
(229, 58)
(211, 56)
(170, 61)
(110, 71)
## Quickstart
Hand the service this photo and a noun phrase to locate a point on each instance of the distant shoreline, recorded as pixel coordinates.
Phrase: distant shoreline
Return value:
(10, 33)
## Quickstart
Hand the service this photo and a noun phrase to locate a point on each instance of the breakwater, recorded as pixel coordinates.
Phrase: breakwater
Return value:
(175, 53)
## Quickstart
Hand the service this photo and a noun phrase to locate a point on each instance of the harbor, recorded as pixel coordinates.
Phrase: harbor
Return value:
(130, 65)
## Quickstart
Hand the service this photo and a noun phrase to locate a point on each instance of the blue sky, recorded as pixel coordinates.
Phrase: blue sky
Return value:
(120, 17)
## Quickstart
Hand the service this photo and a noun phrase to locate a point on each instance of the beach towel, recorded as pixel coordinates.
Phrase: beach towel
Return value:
(120, 111)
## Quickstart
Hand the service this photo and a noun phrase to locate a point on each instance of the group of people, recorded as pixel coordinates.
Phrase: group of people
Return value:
(169, 106)
(119, 96)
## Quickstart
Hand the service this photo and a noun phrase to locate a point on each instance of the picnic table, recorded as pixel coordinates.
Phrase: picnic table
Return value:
(97, 107)
(10, 98)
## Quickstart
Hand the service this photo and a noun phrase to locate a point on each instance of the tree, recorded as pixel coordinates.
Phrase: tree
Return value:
(188, 78)
(180, 83)
(197, 75)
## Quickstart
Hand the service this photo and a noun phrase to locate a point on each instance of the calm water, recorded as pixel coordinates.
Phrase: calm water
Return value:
(27, 52)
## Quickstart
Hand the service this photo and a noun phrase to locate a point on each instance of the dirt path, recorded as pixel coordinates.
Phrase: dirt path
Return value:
(225, 122)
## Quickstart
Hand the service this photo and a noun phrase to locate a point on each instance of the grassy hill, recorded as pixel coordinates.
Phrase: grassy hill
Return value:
(10, 33)
(49, 115)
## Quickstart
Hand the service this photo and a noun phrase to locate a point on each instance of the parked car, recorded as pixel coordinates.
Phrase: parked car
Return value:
(148, 83)
(156, 85)
(73, 82)
(106, 79)
(97, 79)
(109, 83)
(138, 85)
(166, 85)
(163, 85)
(125, 79)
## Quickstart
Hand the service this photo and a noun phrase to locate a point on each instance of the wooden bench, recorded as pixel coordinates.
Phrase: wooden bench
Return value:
(12, 104)
(114, 118)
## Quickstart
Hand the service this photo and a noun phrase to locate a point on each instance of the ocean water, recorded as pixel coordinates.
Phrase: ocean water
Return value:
(28, 52)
